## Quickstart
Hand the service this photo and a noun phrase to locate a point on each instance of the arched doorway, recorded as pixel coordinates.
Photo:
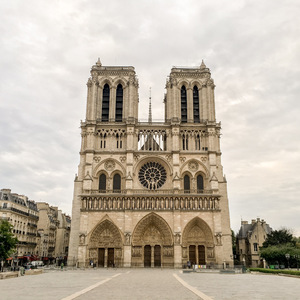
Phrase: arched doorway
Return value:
(152, 243)
(105, 245)
(197, 243)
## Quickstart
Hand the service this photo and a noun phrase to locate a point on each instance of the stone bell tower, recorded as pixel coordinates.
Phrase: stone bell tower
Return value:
(150, 194)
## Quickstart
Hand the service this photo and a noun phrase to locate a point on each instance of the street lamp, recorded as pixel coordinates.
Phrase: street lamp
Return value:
(287, 256)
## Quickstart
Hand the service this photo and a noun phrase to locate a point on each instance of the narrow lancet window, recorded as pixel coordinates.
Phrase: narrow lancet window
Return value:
(117, 183)
(186, 183)
(183, 105)
(102, 183)
(200, 186)
(119, 104)
(105, 103)
(196, 105)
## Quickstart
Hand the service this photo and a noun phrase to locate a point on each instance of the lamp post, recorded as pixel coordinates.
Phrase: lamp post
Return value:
(287, 256)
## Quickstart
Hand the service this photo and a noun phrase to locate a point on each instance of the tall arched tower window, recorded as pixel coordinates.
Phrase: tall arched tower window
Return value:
(102, 183)
(200, 185)
(183, 105)
(105, 103)
(119, 103)
(117, 183)
(186, 183)
(196, 105)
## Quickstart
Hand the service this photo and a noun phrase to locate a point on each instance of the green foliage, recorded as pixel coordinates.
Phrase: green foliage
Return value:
(275, 255)
(279, 237)
(7, 240)
(289, 272)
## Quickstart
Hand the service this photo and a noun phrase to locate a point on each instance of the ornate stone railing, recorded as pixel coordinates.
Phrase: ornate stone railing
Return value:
(172, 192)
(133, 202)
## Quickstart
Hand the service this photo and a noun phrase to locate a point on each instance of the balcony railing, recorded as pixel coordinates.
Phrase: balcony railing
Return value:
(149, 192)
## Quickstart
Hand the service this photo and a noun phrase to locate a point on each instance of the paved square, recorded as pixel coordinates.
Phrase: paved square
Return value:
(148, 284)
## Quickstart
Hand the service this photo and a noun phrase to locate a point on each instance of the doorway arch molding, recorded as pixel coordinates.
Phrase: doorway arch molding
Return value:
(197, 231)
(155, 223)
(105, 234)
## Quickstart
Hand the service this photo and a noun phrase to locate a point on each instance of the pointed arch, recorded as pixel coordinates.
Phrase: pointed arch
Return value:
(105, 234)
(197, 231)
(152, 229)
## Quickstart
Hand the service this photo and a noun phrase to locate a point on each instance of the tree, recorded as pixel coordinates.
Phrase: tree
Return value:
(279, 237)
(279, 243)
(7, 240)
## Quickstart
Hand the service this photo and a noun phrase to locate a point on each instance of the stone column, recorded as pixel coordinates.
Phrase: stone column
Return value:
(152, 256)
(190, 108)
(112, 104)
(105, 257)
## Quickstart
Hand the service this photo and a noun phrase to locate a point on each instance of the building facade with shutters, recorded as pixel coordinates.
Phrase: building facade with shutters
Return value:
(150, 194)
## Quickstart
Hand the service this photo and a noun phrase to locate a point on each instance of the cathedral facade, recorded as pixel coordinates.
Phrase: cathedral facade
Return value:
(150, 194)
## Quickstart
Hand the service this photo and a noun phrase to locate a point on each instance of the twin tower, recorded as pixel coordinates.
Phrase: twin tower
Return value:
(150, 194)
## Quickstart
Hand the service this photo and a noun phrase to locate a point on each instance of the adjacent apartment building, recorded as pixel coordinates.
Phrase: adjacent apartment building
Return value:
(42, 230)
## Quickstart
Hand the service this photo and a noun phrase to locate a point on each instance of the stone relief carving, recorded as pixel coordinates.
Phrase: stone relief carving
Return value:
(203, 158)
(168, 251)
(136, 251)
(184, 252)
(81, 239)
(218, 236)
(210, 252)
(93, 253)
(136, 157)
(109, 165)
(127, 238)
(122, 159)
(97, 159)
(169, 157)
(177, 238)
(182, 159)
(193, 166)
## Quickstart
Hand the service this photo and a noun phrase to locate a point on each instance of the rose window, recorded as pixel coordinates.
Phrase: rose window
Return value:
(152, 175)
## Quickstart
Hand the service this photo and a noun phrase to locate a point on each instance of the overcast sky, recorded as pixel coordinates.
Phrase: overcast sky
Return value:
(251, 47)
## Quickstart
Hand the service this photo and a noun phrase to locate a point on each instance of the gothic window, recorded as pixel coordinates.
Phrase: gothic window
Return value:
(117, 183)
(200, 185)
(103, 140)
(119, 103)
(183, 105)
(102, 183)
(196, 105)
(105, 103)
(186, 183)
(185, 142)
(197, 142)
(152, 175)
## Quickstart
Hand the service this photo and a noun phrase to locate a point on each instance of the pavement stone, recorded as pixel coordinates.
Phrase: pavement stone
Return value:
(147, 284)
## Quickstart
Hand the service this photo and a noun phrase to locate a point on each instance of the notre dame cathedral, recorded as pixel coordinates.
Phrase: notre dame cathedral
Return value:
(150, 194)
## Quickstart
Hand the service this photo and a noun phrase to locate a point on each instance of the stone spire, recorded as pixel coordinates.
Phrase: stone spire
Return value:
(202, 66)
(150, 109)
(98, 63)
